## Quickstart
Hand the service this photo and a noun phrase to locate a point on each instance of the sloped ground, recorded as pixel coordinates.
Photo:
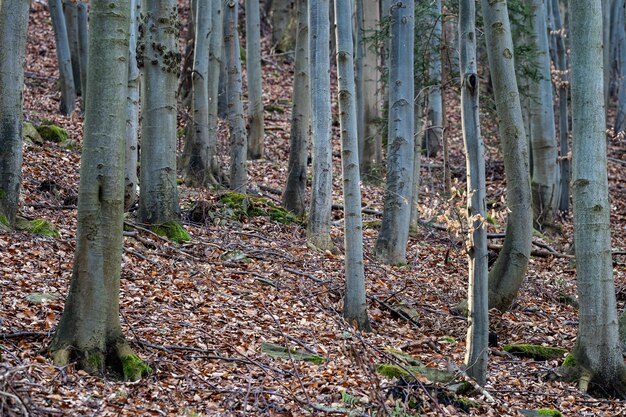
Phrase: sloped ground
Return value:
(200, 313)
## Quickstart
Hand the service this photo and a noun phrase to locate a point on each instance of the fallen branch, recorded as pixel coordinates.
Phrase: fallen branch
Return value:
(19, 335)
(306, 275)
(536, 253)
(455, 368)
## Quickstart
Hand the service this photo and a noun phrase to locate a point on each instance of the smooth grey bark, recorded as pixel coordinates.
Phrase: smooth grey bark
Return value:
(158, 196)
(620, 62)
(215, 67)
(83, 45)
(417, 161)
(256, 147)
(196, 157)
(318, 228)
(71, 25)
(368, 90)
(477, 293)
(283, 24)
(508, 272)
(563, 88)
(236, 119)
(131, 179)
(433, 134)
(222, 98)
(355, 302)
(295, 189)
(597, 350)
(544, 184)
(89, 331)
(606, 52)
(66, 78)
(13, 28)
(394, 231)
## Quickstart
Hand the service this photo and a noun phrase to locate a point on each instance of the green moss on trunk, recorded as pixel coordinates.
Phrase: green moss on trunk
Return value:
(173, 231)
(537, 352)
(134, 368)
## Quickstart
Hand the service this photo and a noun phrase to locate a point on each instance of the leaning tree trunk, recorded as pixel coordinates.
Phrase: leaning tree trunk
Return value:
(158, 197)
(89, 332)
(256, 147)
(13, 27)
(508, 272)
(215, 66)
(83, 45)
(68, 93)
(131, 180)
(318, 229)
(544, 185)
(295, 189)
(597, 351)
(478, 318)
(71, 25)
(394, 230)
(196, 157)
(355, 303)
(234, 88)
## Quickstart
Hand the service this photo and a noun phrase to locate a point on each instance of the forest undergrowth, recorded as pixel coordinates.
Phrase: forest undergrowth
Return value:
(246, 319)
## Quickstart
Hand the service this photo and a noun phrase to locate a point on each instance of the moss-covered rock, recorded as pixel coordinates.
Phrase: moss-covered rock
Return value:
(173, 231)
(30, 134)
(541, 412)
(277, 351)
(569, 361)
(134, 368)
(53, 133)
(394, 371)
(242, 206)
(537, 352)
(37, 226)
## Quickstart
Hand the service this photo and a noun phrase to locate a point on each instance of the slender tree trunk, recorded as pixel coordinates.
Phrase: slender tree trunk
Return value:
(508, 272)
(433, 134)
(131, 180)
(89, 331)
(238, 138)
(68, 93)
(394, 231)
(196, 155)
(13, 28)
(83, 46)
(606, 52)
(620, 61)
(158, 197)
(215, 67)
(545, 190)
(417, 161)
(318, 229)
(283, 24)
(478, 329)
(295, 190)
(222, 99)
(71, 25)
(597, 350)
(355, 303)
(256, 148)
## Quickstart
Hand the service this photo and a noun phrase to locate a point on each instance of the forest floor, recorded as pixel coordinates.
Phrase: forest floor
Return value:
(211, 316)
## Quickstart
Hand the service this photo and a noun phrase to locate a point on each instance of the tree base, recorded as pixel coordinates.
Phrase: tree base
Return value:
(595, 385)
(119, 360)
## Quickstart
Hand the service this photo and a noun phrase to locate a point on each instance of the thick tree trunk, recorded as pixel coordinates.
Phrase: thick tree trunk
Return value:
(508, 272)
(83, 46)
(13, 27)
(545, 189)
(196, 157)
(68, 93)
(256, 148)
(355, 303)
(71, 25)
(478, 323)
(295, 190)
(597, 349)
(158, 197)
(89, 331)
(394, 231)
(318, 229)
(236, 120)
(215, 67)
(131, 180)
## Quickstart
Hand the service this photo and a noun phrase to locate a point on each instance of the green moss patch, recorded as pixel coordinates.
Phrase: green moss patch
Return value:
(30, 134)
(277, 351)
(134, 368)
(394, 371)
(241, 206)
(569, 361)
(37, 226)
(542, 412)
(173, 231)
(537, 352)
(53, 133)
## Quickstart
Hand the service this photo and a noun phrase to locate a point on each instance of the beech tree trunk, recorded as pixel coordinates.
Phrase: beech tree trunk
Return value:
(71, 25)
(508, 272)
(158, 197)
(597, 351)
(215, 67)
(83, 46)
(394, 230)
(477, 293)
(355, 303)
(318, 228)
(620, 63)
(283, 24)
(131, 179)
(236, 120)
(66, 78)
(13, 28)
(433, 134)
(256, 147)
(295, 189)
(89, 332)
